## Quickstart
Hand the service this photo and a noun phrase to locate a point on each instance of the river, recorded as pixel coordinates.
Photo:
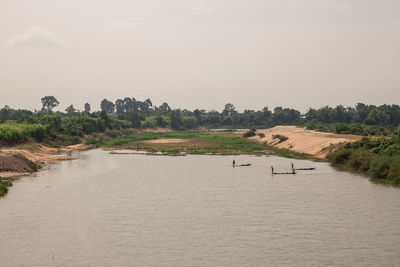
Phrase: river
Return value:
(136, 210)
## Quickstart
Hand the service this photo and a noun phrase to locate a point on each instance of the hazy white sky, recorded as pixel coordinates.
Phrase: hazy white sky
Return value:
(200, 53)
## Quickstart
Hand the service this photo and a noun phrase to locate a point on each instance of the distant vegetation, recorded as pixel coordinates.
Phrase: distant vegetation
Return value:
(354, 128)
(5, 183)
(45, 125)
(379, 158)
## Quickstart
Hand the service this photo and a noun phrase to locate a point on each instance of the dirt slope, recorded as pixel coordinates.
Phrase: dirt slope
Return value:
(304, 141)
(14, 161)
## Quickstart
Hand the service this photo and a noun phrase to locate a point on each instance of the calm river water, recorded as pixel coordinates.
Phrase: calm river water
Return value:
(136, 210)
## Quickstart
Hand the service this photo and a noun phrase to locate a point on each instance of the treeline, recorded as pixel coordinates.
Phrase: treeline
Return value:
(382, 115)
(17, 125)
(379, 158)
(353, 128)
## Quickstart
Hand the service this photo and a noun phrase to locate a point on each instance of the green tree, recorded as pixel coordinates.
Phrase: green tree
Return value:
(176, 119)
(4, 113)
(70, 110)
(49, 102)
(134, 118)
(164, 108)
(377, 117)
(87, 108)
(107, 106)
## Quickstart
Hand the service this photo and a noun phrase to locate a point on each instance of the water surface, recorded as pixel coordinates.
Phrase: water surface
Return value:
(137, 210)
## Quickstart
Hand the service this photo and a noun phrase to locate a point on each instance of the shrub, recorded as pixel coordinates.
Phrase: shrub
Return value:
(149, 123)
(250, 133)
(189, 122)
(12, 133)
(394, 172)
(340, 156)
(360, 161)
(380, 167)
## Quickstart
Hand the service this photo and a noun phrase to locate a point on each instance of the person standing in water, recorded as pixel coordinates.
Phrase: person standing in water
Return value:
(233, 163)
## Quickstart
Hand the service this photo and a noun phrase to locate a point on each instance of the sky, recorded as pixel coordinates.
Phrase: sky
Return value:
(200, 53)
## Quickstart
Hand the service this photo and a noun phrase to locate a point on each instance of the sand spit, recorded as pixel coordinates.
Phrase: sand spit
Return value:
(317, 144)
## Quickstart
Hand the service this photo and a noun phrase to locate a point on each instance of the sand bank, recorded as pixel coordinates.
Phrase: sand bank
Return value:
(13, 159)
(317, 144)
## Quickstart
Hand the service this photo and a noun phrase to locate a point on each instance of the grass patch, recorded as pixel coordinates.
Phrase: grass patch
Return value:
(5, 183)
(196, 142)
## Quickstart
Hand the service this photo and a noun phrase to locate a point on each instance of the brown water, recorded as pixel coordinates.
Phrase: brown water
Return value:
(135, 210)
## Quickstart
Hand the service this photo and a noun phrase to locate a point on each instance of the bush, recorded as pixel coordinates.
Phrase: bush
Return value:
(394, 172)
(149, 123)
(250, 133)
(189, 122)
(361, 161)
(340, 156)
(13, 133)
(261, 135)
(380, 167)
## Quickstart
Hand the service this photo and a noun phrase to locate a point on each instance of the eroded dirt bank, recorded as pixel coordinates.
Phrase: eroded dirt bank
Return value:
(17, 161)
(300, 140)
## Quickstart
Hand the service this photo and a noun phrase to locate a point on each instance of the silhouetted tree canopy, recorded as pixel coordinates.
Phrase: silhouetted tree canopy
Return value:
(49, 102)
(107, 106)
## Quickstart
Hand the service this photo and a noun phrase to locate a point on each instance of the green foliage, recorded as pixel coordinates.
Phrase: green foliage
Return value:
(12, 133)
(250, 133)
(49, 102)
(380, 158)
(162, 121)
(203, 142)
(176, 119)
(189, 122)
(134, 118)
(149, 123)
(339, 157)
(356, 129)
(4, 185)
(107, 106)
(383, 115)
(380, 167)
(55, 128)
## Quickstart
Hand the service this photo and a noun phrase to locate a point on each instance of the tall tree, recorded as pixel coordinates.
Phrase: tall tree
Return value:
(107, 106)
(134, 118)
(49, 102)
(176, 119)
(87, 108)
(229, 109)
(119, 106)
(70, 110)
(164, 108)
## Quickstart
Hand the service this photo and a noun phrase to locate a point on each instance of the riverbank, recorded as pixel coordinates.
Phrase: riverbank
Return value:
(316, 144)
(287, 141)
(25, 159)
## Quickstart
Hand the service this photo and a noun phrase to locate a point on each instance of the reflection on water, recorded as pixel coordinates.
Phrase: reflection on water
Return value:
(135, 210)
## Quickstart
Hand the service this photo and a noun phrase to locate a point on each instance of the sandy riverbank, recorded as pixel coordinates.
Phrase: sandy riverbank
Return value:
(304, 141)
(13, 159)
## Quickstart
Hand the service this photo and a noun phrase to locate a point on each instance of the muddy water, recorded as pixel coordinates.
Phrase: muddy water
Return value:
(136, 210)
